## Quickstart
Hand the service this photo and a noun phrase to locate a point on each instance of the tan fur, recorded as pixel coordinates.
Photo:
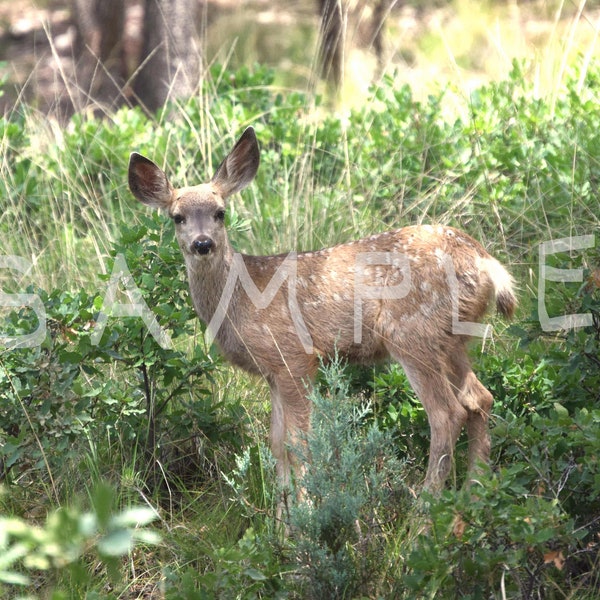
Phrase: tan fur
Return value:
(409, 282)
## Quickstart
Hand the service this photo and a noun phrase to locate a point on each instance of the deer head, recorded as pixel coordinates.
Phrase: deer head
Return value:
(198, 211)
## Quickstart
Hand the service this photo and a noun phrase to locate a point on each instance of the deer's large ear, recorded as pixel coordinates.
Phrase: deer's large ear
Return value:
(239, 167)
(148, 183)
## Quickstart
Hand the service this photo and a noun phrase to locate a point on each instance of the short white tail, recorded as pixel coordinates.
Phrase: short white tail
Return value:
(416, 294)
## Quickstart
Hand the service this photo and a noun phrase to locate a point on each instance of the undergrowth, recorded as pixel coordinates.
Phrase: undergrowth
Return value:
(102, 401)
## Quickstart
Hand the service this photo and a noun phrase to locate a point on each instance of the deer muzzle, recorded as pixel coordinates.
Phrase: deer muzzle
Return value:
(202, 245)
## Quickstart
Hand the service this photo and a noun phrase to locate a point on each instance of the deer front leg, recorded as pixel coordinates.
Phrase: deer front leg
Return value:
(278, 439)
(290, 422)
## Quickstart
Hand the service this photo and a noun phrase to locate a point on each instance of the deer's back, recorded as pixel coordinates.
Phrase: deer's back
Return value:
(355, 296)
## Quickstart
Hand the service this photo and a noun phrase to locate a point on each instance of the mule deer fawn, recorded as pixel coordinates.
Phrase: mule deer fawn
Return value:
(415, 294)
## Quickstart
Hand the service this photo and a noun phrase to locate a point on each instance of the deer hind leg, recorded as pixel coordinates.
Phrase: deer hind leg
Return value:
(446, 415)
(477, 400)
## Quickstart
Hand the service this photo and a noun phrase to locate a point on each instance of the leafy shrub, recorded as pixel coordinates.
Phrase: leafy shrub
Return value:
(60, 544)
(46, 406)
(509, 164)
(495, 536)
(529, 530)
(245, 571)
(397, 410)
(78, 386)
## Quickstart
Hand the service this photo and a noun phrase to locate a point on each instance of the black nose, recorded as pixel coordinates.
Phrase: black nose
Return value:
(202, 245)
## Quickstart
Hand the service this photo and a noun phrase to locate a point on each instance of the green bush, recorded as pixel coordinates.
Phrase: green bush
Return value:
(67, 535)
(509, 163)
(247, 570)
(85, 384)
(496, 538)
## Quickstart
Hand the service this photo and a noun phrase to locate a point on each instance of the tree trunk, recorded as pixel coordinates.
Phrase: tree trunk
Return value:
(170, 59)
(101, 64)
(332, 37)
(380, 13)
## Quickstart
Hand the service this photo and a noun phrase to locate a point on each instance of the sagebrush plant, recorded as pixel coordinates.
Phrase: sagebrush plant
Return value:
(349, 495)
(512, 168)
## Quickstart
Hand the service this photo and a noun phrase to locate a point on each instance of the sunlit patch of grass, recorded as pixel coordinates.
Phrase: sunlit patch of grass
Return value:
(468, 43)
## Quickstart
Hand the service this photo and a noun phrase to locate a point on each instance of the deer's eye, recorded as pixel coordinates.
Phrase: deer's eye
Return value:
(178, 219)
(220, 215)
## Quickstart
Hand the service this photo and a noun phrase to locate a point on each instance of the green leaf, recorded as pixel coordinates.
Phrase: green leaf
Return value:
(561, 410)
(147, 536)
(13, 578)
(134, 517)
(116, 543)
(255, 574)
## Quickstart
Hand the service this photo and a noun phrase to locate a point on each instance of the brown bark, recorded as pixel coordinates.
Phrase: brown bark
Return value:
(332, 37)
(101, 68)
(170, 59)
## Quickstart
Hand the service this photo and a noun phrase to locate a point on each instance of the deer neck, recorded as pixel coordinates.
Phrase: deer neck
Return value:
(207, 279)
